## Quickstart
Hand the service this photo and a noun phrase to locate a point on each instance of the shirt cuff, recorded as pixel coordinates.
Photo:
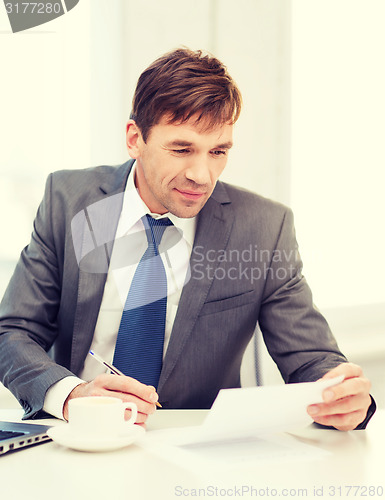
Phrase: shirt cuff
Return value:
(58, 393)
(369, 415)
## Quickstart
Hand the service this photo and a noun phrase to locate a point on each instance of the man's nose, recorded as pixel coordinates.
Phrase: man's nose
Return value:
(198, 171)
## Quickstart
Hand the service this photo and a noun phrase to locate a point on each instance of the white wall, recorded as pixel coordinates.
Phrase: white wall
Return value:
(44, 117)
(338, 154)
(337, 169)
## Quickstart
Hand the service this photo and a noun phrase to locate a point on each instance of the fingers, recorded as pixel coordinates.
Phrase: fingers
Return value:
(348, 387)
(129, 390)
(346, 404)
(342, 422)
(127, 385)
(125, 388)
(141, 417)
(352, 404)
(347, 369)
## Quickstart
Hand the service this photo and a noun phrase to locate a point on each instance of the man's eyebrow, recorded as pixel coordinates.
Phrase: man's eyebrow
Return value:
(225, 145)
(185, 144)
(179, 143)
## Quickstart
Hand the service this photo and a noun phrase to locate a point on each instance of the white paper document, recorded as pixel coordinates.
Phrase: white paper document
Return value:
(246, 425)
(253, 411)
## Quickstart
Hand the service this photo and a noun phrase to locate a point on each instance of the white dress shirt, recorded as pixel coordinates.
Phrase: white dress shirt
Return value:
(175, 249)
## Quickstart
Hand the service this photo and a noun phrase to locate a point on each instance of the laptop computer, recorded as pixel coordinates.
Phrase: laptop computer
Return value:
(14, 435)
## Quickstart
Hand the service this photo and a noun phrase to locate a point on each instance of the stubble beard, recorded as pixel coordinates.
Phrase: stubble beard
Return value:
(184, 210)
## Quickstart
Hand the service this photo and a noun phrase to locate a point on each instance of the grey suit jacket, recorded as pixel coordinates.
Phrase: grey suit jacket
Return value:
(245, 269)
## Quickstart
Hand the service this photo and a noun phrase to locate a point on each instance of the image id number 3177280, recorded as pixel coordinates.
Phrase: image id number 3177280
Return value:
(355, 491)
(33, 8)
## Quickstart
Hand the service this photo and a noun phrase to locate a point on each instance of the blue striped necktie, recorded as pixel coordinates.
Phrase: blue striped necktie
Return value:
(139, 345)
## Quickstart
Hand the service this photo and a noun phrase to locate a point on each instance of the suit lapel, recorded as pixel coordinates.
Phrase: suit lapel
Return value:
(212, 234)
(97, 226)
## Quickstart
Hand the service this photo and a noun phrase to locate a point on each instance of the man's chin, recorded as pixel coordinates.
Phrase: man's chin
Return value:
(185, 214)
(186, 211)
(182, 207)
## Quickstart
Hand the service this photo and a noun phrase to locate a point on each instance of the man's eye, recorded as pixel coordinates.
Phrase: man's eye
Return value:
(219, 152)
(181, 151)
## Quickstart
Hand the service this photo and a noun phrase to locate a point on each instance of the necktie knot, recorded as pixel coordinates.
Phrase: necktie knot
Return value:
(155, 229)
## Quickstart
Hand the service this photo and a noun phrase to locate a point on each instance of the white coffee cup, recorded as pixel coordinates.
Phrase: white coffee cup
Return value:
(100, 417)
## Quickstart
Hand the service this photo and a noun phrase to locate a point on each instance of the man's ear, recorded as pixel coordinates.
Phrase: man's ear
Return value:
(133, 139)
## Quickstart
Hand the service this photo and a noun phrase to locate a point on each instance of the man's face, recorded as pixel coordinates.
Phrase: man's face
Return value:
(178, 166)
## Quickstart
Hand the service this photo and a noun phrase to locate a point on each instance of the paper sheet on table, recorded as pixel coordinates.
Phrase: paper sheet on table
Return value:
(232, 453)
(244, 426)
(253, 411)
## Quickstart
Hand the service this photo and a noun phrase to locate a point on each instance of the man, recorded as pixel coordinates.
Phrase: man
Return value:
(226, 259)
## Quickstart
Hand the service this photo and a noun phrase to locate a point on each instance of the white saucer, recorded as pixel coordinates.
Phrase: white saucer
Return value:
(63, 436)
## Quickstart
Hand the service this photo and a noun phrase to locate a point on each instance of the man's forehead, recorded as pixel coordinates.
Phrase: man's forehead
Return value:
(187, 132)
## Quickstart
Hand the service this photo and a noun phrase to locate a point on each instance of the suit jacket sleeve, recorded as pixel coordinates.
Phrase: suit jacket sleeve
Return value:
(28, 315)
(296, 334)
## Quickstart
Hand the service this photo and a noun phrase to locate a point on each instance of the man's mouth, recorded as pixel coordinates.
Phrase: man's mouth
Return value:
(191, 195)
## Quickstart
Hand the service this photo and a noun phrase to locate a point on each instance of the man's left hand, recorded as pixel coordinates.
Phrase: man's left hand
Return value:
(345, 405)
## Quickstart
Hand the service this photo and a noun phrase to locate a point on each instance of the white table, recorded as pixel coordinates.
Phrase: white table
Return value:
(49, 471)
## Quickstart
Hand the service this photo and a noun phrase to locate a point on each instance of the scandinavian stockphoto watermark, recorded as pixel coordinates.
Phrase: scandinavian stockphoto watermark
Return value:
(100, 248)
(24, 15)
(250, 264)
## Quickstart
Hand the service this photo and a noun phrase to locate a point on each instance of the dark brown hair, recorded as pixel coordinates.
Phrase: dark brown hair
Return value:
(182, 84)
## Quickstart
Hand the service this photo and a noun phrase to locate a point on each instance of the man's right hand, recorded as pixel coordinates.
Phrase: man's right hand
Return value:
(125, 388)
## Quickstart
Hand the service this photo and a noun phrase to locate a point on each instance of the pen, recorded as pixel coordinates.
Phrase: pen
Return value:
(112, 369)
